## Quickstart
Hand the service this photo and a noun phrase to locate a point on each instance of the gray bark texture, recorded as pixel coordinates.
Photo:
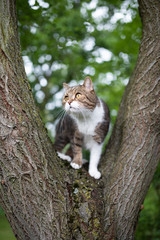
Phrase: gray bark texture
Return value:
(42, 196)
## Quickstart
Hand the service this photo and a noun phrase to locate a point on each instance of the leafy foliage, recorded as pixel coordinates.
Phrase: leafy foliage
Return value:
(67, 40)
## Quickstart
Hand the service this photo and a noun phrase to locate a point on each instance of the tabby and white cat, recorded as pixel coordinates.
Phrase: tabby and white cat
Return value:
(85, 124)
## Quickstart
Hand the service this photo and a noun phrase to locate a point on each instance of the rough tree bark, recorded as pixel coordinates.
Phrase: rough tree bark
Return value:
(134, 148)
(42, 196)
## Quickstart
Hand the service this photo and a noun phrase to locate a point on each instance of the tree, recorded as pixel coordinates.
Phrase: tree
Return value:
(43, 197)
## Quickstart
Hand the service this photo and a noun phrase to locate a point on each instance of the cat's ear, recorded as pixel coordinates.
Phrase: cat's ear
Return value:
(88, 84)
(66, 86)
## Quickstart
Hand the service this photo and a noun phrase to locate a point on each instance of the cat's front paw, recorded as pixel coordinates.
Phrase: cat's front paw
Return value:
(64, 157)
(75, 165)
(94, 173)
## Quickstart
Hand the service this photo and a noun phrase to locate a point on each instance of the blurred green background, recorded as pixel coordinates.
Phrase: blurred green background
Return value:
(5, 229)
(63, 41)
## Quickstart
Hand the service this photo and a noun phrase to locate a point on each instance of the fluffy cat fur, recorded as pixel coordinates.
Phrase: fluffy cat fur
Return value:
(85, 124)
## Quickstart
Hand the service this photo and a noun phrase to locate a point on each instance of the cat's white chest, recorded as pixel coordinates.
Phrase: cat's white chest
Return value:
(87, 127)
(87, 124)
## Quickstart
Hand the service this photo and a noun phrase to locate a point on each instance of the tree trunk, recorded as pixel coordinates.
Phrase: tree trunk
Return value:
(42, 196)
(134, 148)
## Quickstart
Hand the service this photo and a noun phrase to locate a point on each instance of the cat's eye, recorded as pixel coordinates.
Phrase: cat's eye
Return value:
(66, 97)
(78, 95)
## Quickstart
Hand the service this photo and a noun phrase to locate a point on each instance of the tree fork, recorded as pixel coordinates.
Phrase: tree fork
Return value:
(42, 196)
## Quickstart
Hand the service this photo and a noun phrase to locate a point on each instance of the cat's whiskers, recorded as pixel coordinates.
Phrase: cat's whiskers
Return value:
(61, 116)
(83, 115)
(61, 120)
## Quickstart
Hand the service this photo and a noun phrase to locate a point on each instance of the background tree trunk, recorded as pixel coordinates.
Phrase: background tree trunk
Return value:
(42, 196)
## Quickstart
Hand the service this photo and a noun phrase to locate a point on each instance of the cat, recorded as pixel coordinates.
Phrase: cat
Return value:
(85, 124)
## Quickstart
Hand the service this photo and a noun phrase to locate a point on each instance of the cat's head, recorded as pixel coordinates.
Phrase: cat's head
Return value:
(80, 98)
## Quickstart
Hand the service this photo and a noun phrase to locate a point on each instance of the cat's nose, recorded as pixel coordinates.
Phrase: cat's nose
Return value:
(70, 101)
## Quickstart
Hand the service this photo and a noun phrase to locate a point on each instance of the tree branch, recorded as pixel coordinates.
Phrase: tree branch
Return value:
(134, 148)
